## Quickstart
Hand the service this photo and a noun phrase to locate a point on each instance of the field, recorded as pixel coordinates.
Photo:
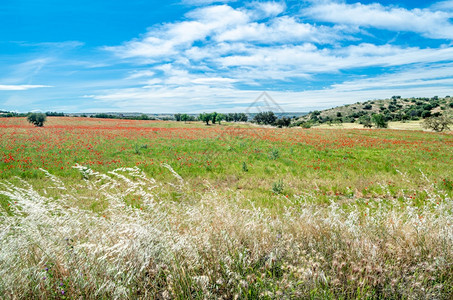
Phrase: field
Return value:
(95, 208)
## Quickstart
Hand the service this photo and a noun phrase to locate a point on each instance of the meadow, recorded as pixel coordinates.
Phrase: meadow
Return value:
(96, 208)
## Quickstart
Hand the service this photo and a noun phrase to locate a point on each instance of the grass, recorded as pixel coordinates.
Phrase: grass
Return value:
(142, 209)
(411, 125)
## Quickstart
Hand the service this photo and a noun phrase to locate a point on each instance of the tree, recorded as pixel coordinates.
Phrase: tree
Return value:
(178, 117)
(37, 119)
(365, 120)
(438, 123)
(184, 117)
(267, 118)
(426, 114)
(243, 117)
(220, 117)
(205, 117)
(283, 122)
(380, 121)
(214, 117)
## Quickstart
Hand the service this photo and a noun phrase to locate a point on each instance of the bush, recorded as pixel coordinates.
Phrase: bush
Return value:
(365, 121)
(305, 125)
(438, 124)
(426, 114)
(277, 187)
(379, 120)
(283, 122)
(37, 119)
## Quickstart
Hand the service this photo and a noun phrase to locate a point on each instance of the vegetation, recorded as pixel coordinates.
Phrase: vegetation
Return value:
(388, 110)
(98, 208)
(379, 120)
(37, 119)
(95, 208)
(120, 116)
(438, 124)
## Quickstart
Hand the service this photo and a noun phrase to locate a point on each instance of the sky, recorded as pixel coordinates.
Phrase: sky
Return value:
(203, 55)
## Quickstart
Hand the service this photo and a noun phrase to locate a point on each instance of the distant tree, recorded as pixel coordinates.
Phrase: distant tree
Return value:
(380, 121)
(220, 117)
(242, 117)
(365, 120)
(184, 117)
(214, 117)
(283, 122)
(316, 113)
(426, 114)
(104, 116)
(54, 114)
(438, 124)
(205, 117)
(37, 119)
(178, 117)
(266, 118)
(368, 106)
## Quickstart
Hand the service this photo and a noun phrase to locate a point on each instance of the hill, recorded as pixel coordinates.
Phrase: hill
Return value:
(395, 108)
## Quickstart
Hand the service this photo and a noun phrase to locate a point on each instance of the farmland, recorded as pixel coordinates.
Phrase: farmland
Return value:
(124, 208)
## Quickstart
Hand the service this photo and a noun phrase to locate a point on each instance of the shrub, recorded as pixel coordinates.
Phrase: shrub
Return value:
(37, 119)
(365, 121)
(244, 167)
(438, 124)
(283, 122)
(277, 187)
(426, 114)
(274, 154)
(379, 120)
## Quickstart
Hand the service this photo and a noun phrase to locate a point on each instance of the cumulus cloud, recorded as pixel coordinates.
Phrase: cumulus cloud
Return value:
(229, 53)
(427, 22)
(21, 87)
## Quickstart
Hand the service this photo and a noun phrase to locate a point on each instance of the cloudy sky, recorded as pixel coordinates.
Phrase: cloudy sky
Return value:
(204, 55)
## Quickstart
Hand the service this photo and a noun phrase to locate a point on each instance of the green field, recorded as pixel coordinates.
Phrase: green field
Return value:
(93, 208)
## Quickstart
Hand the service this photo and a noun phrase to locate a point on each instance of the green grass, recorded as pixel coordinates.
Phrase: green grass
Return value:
(350, 163)
(139, 209)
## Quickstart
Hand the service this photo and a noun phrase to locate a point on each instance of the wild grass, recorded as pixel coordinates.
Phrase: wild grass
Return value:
(159, 239)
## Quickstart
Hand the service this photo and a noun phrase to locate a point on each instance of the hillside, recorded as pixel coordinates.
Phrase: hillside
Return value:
(393, 109)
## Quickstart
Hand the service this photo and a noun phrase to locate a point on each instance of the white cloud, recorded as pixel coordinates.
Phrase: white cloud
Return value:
(308, 58)
(169, 39)
(21, 87)
(429, 23)
(140, 74)
(443, 5)
(279, 30)
(260, 10)
(206, 59)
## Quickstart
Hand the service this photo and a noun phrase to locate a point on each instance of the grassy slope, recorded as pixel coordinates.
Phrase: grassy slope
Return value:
(402, 106)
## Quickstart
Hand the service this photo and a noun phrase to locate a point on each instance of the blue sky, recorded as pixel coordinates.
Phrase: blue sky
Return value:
(202, 55)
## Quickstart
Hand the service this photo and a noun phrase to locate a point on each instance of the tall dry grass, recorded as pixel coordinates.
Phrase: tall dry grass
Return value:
(209, 246)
